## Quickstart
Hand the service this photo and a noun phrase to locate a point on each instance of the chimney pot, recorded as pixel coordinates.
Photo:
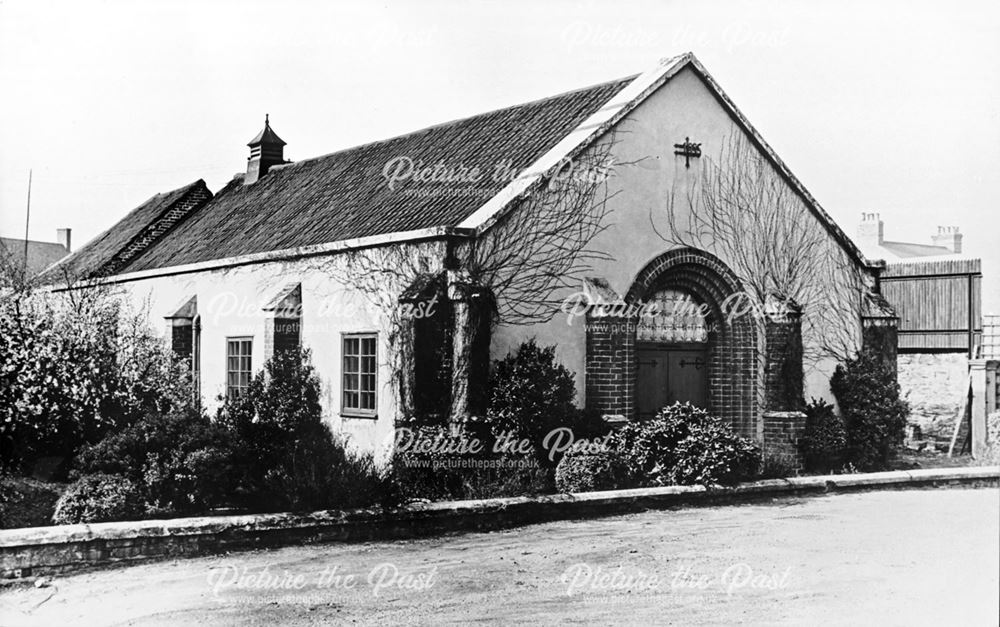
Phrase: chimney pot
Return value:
(870, 231)
(948, 237)
(64, 237)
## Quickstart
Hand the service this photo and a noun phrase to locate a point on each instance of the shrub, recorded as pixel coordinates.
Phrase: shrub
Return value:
(287, 456)
(824, 440)
(684, 445)
(99, 498)
(181, 461)
(874, 414)
(527, 479)
(713, 454)
(450, 471)
(531, 395)
(26, 502)
(777, 466)
(586, 472)
(74, 367)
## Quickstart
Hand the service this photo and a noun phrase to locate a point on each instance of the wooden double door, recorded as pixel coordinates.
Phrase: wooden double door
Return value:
(670, 373)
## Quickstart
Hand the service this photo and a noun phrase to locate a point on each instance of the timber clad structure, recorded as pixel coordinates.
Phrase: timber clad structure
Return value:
(935, 290)
(327, 252)
(939, 304)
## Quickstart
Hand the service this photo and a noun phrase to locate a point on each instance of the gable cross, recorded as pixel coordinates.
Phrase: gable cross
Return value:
(688, 150)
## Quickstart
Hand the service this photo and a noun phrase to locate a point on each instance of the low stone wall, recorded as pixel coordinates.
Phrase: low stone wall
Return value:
(38, 551)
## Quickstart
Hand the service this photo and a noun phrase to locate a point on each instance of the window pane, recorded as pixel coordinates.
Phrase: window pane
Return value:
(359, 372)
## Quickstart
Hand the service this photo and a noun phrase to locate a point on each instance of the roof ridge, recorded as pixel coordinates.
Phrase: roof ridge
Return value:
(439, 125)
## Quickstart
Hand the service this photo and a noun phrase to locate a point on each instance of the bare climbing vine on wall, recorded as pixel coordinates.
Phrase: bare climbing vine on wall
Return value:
(545, 244)
(743, 210)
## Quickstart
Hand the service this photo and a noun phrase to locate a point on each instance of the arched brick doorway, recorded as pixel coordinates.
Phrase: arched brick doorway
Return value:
(730, 348)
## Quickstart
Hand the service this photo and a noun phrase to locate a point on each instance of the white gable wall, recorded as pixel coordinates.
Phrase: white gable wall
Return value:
(683, 108)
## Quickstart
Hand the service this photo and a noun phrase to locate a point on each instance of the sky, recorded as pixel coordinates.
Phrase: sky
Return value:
(891, 107)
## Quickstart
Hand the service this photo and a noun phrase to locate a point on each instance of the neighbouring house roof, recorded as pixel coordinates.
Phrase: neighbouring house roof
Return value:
(317, 203)
(41, 255)
(904, 250)
(112, 250)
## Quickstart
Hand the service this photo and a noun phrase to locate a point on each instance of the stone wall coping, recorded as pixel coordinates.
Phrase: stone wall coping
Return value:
(565, 503)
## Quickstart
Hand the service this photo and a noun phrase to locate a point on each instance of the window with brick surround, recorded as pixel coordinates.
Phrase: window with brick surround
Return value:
(358, 398)
(239, 351)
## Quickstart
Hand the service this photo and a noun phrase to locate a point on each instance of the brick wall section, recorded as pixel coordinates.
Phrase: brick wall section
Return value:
(611, 366)
(782, 431)
(184, 206)
(783, 364)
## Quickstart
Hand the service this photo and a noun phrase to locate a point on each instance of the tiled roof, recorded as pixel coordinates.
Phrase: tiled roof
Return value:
(41, 255)
(125, 238)
(344, 195)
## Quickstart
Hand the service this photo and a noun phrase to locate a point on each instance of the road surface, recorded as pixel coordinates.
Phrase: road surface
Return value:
(915, 557)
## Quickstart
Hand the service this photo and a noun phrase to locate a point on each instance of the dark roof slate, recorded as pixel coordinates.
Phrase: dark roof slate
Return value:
(344, 195)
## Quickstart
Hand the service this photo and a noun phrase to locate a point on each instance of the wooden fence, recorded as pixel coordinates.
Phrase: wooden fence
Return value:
(939, 304)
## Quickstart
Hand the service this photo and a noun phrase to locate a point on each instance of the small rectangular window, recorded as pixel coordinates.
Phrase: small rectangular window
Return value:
(238, 356)
(359, 375)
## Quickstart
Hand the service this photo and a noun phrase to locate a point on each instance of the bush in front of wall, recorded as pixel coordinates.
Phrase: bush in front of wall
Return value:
(824, 439)
(874, 413)
(685, 445)
(459, 461)
(588, 472)
(75, 366)
(530, 395)
(99, 498)
(286, 455)
(180, 461)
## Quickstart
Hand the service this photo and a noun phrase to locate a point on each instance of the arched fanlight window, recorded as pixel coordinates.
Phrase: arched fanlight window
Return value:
(672, 316)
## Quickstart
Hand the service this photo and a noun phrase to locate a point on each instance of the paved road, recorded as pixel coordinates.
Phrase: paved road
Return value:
(908, 558)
